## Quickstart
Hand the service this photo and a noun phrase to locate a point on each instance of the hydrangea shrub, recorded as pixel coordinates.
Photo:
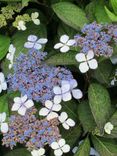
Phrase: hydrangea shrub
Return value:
(58, 78)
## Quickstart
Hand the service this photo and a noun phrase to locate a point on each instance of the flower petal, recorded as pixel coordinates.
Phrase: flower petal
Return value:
(49, 104)
(83, 67)
(65, 49)
(34, 153)
(29, 104)
(77, 94)
(73, 83)
(42, 40)
(1, 77)
(4, 86)
(57, 99)
(24, 98)
(44, 112)
(58, 45)
(70, 122)
(36, 21)
(67, 96)
(57, 90)
(66, 148)
(58, 152)
(63, 116)
(52, 115)
(2, 117)
(54, 145)
(37, 46)
(90, 55)
(32, 38)
(29, 45)
(93, 64)
(65, 88)
(64, 38)
(4, 128)
(56, 107)
(16, 106)
(71, 42)
(41, 152)
(17, 100)
(80, 57)
(61, 142)
(22, 110)
(66, 126)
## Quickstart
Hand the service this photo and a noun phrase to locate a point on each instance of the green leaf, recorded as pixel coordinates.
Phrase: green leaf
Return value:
(103, 73)
(63, 59)
(86, 117)
(84, 148)
(100, 13)
(105, 147)
(72, 135)
(25, 2)
(70, 107)
(4, 45)
(114, 5)
(70, 14)
(19, 152)
(100, 104)
(4, 104)
(111, 15)
(20, 37)
(65, 29)
(90, 11)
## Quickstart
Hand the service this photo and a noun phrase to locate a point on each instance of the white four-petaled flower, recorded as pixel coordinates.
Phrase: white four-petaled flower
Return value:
(108, 127)
(34, 42)
(66, 122)
(60, 147)
(67, 89)
(64, 44)
(21, 104)
(3, 84)
(39, 152)
(21, 25)
(87, 61)
(10, 55)
(50, 110)
(34, 17)
(3, 124)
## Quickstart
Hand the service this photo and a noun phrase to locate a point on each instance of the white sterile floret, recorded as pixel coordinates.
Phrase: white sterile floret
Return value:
(21, 25)
(65, 44)
(50, 110)
(3, 124)
(10, 55)
(3, 84)
(66, 122)
(87, 61)
(65, 92)
(34, 17)
(108, 127)
(60, 147)
(21, 104)
(39, 152)
(34, 42)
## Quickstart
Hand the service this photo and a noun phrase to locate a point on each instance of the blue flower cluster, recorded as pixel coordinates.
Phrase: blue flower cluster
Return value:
(35, 78)
(30, 131)
(98, 38)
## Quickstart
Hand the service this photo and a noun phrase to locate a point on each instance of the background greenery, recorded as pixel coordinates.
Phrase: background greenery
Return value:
(98, 105)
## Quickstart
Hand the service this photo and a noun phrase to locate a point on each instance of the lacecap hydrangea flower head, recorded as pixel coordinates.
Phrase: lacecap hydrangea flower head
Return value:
(97, 37)
(34, 78)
